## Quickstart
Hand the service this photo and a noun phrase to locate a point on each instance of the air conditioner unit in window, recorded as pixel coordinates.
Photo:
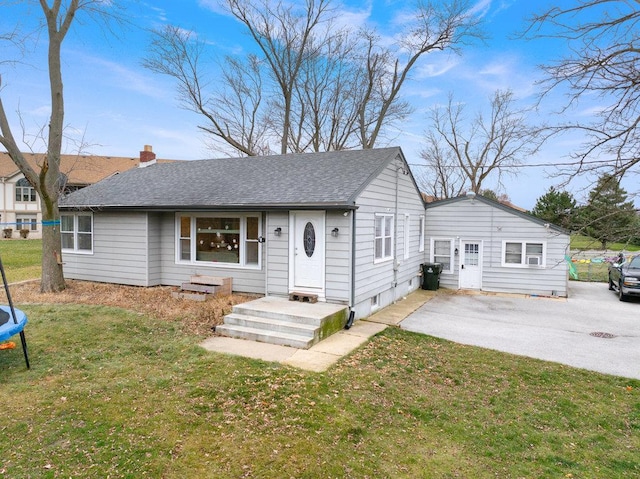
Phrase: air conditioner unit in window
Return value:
(534, 260)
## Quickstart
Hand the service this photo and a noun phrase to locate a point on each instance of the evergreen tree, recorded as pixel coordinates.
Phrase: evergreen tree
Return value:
(608, 216)
(557, 207)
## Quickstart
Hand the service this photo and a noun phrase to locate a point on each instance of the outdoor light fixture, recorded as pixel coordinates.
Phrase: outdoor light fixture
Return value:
(334, 232)
(277, 231)
(455, 251)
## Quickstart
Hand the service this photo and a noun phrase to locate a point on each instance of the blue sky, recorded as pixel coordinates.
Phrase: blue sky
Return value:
(116, 106)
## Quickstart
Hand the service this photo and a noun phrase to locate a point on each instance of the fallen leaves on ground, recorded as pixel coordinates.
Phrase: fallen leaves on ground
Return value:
(196, 317)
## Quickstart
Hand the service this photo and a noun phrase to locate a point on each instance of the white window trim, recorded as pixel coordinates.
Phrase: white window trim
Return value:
(243, 232)
(523, 262)
(452, 247)
(422, 233)
(75, 232)
(389, 257)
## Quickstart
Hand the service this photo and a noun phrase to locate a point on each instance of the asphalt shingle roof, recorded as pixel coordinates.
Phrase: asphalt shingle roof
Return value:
(79, 169)
(279, 181)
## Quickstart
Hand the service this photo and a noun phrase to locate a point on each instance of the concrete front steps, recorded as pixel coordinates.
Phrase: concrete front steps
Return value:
(283, 322)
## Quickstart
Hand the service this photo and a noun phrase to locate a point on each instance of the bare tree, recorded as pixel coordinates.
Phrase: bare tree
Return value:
(463, 154)
(324, 114)
(443, 177)
(240, 104)
(434, 26)
(602, 65)
(232, 112)
(13, 38)
(58, 19)
(285, 35)
(322, 87)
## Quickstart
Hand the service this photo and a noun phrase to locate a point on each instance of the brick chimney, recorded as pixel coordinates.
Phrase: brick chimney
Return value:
(147, 156)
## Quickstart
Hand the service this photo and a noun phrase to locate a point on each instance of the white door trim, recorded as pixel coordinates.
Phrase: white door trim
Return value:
(307, 274)
(470, 275)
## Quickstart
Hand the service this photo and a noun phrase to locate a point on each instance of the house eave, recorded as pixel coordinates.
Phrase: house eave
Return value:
(235, 207)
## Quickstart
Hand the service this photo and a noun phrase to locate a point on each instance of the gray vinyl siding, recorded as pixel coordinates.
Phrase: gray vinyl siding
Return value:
(245, 280)
(277, 253)
(154, 227)
(338, 257)
(120, 252)
(373, 278)
(476, 220)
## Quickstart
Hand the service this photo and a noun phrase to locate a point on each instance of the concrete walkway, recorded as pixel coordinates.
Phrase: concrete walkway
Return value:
(326, 353)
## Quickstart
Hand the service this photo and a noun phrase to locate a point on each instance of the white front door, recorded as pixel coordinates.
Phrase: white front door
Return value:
(471, 265)
(307, 252)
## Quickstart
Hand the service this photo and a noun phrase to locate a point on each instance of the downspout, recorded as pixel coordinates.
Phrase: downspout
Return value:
(263, 245)
(395, 236)
(352, 293)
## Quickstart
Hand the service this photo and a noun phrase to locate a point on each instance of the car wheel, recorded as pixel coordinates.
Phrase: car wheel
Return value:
(611, 288)
(621, 295)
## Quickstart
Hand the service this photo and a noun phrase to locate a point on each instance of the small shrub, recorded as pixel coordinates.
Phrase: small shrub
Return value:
(7, 233)
(24, 233)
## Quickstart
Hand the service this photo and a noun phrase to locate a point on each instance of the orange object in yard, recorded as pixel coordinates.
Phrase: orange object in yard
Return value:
(9, 345)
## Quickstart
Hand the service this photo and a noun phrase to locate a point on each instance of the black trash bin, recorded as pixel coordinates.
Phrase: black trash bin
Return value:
(431, 276)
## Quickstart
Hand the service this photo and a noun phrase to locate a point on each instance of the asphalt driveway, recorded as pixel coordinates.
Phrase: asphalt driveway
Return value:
(590, 330)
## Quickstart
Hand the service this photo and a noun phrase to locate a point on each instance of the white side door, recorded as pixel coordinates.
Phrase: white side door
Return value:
(471, 265)
(307, 252)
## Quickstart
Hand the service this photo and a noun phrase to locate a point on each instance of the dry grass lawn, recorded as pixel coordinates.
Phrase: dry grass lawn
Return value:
(196, 317)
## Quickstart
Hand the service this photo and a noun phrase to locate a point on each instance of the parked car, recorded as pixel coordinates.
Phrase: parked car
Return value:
(624, 276)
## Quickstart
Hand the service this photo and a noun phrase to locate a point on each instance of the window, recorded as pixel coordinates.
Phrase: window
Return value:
(24, 191)
(76, 232)
(421, 241)
(442, 252)
(523, 254)
(383, 241)
(26, 223)
(220, 239)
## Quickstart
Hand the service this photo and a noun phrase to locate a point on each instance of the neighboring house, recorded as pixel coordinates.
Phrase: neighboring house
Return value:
(486, 245)
(347, 226)
(20, 205)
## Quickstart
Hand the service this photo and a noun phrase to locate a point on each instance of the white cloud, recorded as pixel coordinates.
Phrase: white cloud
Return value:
(436, 68)
(591, 111)
(213, 6)
(160, 13)
(481, 8)
(43, 111)
(496, 69)
(125, 78)
(353, 18)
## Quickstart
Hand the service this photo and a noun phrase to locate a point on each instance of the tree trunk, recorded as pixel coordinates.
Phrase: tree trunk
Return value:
(49, 187)
(52, 273)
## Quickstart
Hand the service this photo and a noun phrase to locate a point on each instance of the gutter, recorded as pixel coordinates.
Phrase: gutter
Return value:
(252, 207)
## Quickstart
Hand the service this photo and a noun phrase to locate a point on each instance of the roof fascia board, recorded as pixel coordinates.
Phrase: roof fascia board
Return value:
(170, 208)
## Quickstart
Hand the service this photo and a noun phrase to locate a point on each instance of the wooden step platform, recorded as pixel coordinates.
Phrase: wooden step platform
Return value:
(303, 297)
(200, 288)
